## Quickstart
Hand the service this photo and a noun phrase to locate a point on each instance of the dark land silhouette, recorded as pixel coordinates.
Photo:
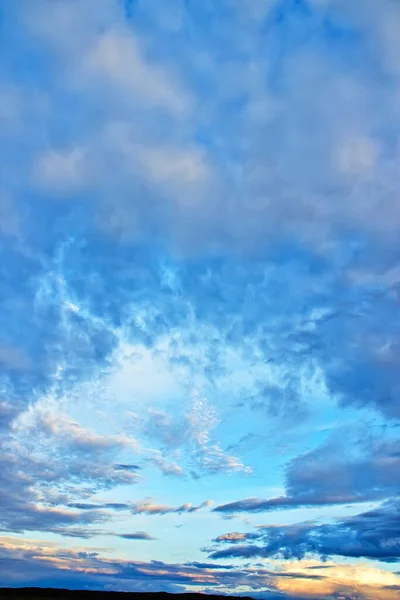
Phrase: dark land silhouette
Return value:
(32, 593)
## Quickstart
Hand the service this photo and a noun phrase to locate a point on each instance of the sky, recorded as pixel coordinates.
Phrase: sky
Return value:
(199, 296)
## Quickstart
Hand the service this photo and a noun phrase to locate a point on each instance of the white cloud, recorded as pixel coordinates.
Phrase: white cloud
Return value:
(60, 171)
(167, 467)
(278, 173)
(203, 419)
(357, 156)
(342, 581)
(175, 167)
(118, 56)
(141, 377)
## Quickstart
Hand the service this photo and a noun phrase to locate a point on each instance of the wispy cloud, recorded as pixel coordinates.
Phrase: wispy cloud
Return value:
(160, 509)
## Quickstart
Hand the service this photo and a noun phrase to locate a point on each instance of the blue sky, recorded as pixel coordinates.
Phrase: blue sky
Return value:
(199, 294)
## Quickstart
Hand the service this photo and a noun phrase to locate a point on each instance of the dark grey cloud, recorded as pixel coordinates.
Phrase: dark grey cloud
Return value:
(202, 565)
(94, 506)
(363, 371)
(127, 467)
(374, 535)
(281, 502)
(138, 535)
(365, 467)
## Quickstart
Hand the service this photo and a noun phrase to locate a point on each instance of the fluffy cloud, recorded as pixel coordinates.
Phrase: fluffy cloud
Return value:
(300, 165)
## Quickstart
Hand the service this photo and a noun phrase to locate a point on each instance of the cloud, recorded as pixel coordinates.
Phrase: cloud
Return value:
(138, 535)
(161, 426)
(373, 535)
(187, 432)
(66, 453)
(92, 506)
(166, 467)
(47, 459)
(142, 507)
(309, 578)
(110, 55)
(261, 505)
(60, 427)
(118, 56)
(8, 411)
(36, 493)
(333, 474)
(202, 419)
(367, 468)
(342, 582)
(231, 537)
(148, 508)
(265, 188)
(112, 570)
(59, 171)
(185, 297)
(24, 508)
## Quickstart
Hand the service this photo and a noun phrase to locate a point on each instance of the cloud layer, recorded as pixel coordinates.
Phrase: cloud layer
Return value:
(199, 296)
(373, 534)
